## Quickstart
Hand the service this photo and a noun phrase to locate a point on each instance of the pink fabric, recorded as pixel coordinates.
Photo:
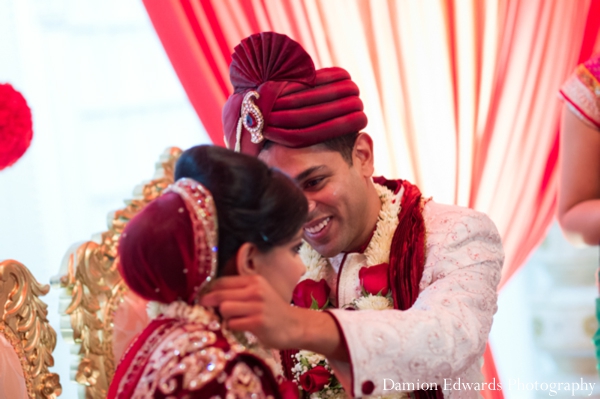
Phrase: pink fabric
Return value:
(582, 92)
(12, 381)
(461, 96)
(129, 320)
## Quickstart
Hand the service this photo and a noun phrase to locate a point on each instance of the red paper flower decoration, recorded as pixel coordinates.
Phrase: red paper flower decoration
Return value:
(15, 126)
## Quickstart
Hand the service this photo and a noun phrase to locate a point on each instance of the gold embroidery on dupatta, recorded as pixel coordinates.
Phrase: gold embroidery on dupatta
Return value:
(144, 351)
(188, 356)
(243, 383)
(187, 360)
(183, 358)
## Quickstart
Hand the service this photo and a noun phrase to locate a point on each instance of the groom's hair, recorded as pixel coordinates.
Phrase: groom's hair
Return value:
(254, 203)
(342, 144)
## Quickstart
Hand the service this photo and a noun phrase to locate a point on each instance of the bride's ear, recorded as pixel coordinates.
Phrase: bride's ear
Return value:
(245, 259)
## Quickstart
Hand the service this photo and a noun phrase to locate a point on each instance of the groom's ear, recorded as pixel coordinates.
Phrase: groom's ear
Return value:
(245, 259)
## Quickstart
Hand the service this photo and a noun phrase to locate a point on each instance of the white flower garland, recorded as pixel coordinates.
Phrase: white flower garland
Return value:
(377, 252)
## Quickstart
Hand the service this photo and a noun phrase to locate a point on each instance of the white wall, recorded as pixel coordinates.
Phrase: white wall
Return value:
(546, 317)
(106, 103)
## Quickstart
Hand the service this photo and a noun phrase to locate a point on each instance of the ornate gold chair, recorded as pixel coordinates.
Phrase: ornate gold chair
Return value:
(100, 315)
(26, 338)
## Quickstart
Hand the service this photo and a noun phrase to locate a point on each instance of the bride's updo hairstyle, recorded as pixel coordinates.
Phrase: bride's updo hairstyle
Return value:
(254, 203)
(158, 250)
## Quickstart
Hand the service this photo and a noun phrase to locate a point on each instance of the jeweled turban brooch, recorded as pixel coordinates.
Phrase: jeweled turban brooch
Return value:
(251, 118)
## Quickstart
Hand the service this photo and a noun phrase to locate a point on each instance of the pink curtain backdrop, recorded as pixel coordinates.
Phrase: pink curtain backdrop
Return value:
(461, 95)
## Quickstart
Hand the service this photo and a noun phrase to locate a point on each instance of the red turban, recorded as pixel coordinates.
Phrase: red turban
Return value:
(278, 96)
(168, 251)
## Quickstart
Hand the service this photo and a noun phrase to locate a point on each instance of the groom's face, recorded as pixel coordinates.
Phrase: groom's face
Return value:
(336, 192)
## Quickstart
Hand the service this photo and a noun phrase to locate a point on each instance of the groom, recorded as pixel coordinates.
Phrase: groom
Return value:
(428, 319)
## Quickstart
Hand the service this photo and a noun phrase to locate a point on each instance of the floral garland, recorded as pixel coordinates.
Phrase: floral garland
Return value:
(378, 250)
(312, 372)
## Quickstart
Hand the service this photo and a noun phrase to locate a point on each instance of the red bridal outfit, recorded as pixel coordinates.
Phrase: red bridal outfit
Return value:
(168, 254)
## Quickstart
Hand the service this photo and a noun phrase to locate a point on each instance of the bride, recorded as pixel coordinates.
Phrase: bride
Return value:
(226, 222)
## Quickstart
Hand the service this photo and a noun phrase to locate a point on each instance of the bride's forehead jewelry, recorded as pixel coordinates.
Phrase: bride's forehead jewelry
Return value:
(203, 214)
(251, 118)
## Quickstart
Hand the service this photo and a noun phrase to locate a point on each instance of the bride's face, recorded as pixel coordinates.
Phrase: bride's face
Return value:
(282, 267)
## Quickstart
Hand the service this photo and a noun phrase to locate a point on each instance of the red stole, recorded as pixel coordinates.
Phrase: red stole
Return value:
(407, 254)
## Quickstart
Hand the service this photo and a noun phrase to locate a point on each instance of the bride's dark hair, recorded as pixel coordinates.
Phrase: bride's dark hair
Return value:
(254, 203)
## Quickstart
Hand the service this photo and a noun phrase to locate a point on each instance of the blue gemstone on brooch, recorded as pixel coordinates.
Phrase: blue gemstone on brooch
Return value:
(249, 120)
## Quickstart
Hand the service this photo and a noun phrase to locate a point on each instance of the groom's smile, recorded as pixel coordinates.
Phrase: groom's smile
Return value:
(316, 231)
(340, 216)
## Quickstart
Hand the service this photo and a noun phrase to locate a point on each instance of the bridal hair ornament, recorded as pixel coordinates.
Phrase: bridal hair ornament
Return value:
(203, 214)
(251, 118)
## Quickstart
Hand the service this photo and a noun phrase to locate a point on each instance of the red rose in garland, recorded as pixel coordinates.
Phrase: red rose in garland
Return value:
(374, 279)
(15, 126)
(311, 294)
(315, 379)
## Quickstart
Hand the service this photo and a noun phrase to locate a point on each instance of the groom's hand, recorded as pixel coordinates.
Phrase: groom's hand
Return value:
(249, 303)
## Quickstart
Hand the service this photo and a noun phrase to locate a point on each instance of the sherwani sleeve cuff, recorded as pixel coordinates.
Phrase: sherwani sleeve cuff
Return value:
(341, 369)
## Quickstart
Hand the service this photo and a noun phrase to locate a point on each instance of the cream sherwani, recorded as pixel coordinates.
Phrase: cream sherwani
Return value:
(442, 337)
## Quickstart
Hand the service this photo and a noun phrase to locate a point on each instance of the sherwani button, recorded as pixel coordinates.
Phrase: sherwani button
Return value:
(368, 387)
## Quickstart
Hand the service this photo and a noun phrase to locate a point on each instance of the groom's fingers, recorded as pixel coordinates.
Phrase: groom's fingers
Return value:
(216, 298)
(233, 282)
(251, 324)
(235, 288)
(232, 309)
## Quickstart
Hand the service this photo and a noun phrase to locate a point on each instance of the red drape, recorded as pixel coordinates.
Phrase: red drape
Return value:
(460, 95)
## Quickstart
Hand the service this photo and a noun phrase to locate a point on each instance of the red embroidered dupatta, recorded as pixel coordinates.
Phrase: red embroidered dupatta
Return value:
(135, 359)
(178, 359)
